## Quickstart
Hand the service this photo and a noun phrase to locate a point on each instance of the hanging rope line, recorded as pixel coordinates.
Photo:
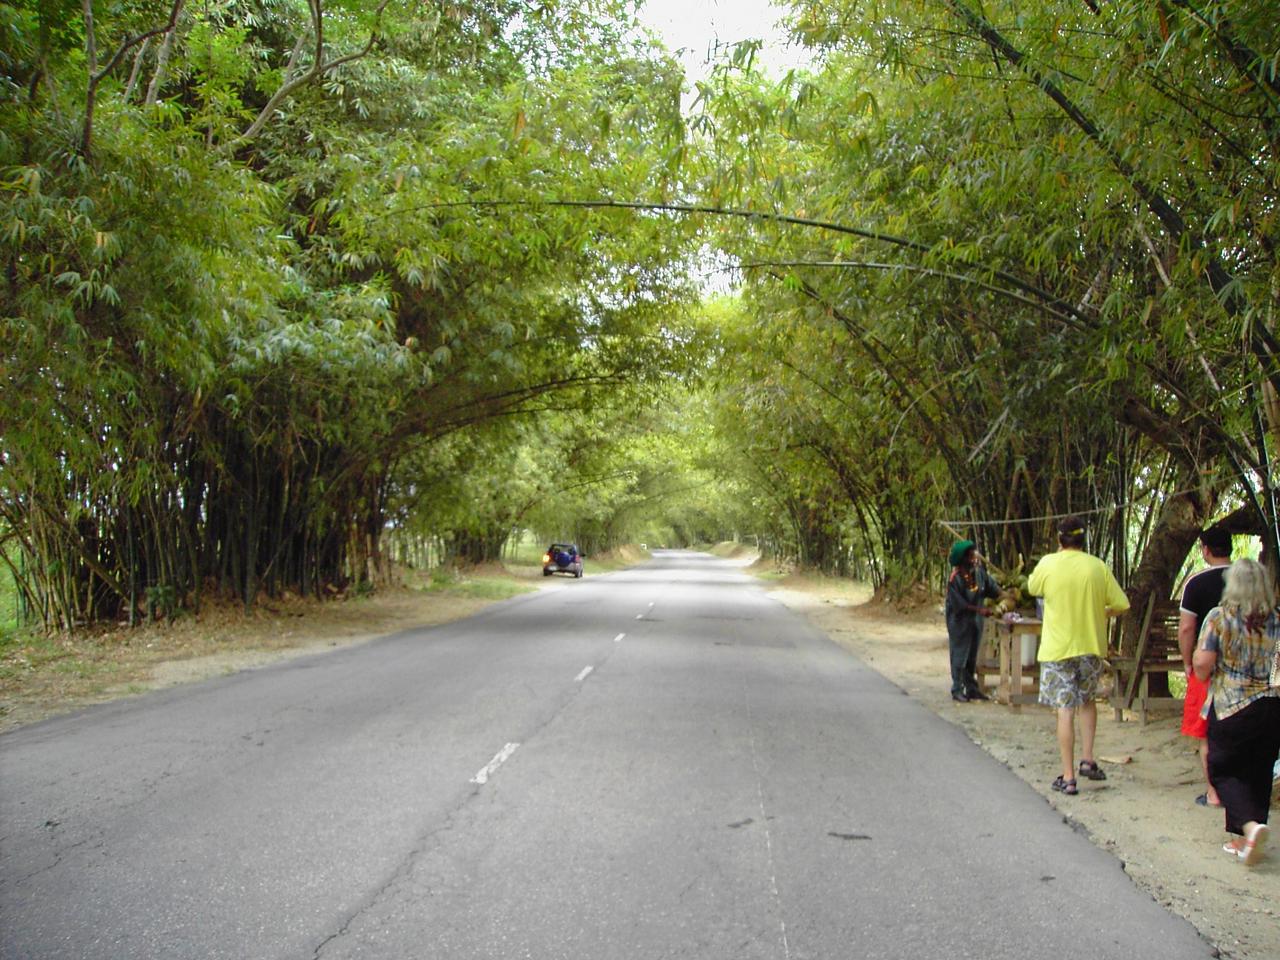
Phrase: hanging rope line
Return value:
(1059, 516)
(1048, 516)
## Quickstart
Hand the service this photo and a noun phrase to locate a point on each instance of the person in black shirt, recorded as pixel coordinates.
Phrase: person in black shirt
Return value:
(968, 586)
(1201, 593)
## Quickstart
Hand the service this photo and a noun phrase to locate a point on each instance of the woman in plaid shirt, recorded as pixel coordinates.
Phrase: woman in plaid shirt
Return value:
(1239, 648)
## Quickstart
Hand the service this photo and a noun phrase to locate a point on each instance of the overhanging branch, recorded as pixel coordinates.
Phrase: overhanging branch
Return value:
(317, 70)
(879, 236)
(96, 76)
(926, 271)
(1225, 288)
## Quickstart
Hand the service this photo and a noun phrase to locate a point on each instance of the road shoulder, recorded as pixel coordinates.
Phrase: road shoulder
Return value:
(1144, 813)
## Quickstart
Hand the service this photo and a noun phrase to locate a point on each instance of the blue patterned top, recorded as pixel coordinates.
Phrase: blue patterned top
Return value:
(1245, 652)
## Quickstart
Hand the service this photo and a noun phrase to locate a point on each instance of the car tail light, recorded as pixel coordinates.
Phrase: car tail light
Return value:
(546, 558)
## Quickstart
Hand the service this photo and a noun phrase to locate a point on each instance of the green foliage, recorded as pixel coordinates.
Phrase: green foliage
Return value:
(1034, 321)
(10, 599)
(237, 316)
(266, 298)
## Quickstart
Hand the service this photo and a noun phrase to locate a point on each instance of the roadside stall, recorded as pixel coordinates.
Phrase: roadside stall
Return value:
(1012, 646)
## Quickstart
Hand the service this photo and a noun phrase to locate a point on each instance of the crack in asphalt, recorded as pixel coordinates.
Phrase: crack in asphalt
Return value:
(57, 859)
(427, 841)
(401, 873)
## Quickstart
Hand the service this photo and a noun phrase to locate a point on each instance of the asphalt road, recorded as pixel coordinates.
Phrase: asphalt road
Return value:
(657, 763)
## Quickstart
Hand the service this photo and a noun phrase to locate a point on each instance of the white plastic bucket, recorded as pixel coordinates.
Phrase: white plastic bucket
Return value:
(1029, 644)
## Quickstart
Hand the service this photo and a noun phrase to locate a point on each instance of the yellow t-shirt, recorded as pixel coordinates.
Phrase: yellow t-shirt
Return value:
(1078, 589)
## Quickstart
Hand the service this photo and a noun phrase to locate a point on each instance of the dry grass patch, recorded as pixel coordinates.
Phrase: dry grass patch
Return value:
(733, 550)
(838, 591)
(627, 555)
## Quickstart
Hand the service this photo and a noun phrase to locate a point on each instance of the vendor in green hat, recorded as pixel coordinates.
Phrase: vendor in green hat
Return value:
(968, 586)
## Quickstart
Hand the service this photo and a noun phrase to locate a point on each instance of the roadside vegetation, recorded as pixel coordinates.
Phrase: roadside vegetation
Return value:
(11, 618)
(300, 297)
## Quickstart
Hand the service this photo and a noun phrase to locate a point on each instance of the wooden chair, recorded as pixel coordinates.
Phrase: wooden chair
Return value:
(1143, 677)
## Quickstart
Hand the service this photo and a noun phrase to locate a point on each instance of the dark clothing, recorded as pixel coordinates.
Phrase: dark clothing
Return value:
(964, 640)
(965, 592)
(1242, 755)
(1203, 592)
(1200, 594)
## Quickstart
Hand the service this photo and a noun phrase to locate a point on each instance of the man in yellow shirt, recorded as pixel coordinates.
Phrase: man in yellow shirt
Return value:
(1079, 594)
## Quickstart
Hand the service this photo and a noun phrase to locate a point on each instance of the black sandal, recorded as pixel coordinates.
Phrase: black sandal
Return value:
(1090, 769)
(1065, 786)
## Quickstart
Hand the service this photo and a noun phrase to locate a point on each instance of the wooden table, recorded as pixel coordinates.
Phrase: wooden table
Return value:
(1009, 642)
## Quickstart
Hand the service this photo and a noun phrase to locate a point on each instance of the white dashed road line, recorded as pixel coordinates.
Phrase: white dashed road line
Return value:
(498, 760)
(583, 675)
(618, 638)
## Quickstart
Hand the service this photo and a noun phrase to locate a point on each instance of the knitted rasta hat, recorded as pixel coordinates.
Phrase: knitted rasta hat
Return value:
(958, 550)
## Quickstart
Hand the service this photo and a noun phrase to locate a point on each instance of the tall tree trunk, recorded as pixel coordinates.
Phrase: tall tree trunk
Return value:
(1181, 519)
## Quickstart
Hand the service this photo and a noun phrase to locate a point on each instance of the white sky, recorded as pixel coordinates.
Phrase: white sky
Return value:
(695, 26)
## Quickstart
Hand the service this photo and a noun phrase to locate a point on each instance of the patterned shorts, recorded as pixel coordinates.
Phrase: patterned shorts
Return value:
(1070, 683)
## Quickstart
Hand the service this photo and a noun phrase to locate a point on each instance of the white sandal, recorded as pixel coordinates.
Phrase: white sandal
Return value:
(1252, 853)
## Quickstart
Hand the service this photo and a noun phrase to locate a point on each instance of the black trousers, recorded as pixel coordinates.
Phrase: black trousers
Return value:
(1242, 754)
(963, 636)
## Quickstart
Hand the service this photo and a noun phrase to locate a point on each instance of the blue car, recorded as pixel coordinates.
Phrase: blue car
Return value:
(562, 558)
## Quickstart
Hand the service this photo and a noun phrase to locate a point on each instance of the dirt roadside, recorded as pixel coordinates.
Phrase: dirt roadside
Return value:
(1144, 813)
(43, 676)
(46, 676)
